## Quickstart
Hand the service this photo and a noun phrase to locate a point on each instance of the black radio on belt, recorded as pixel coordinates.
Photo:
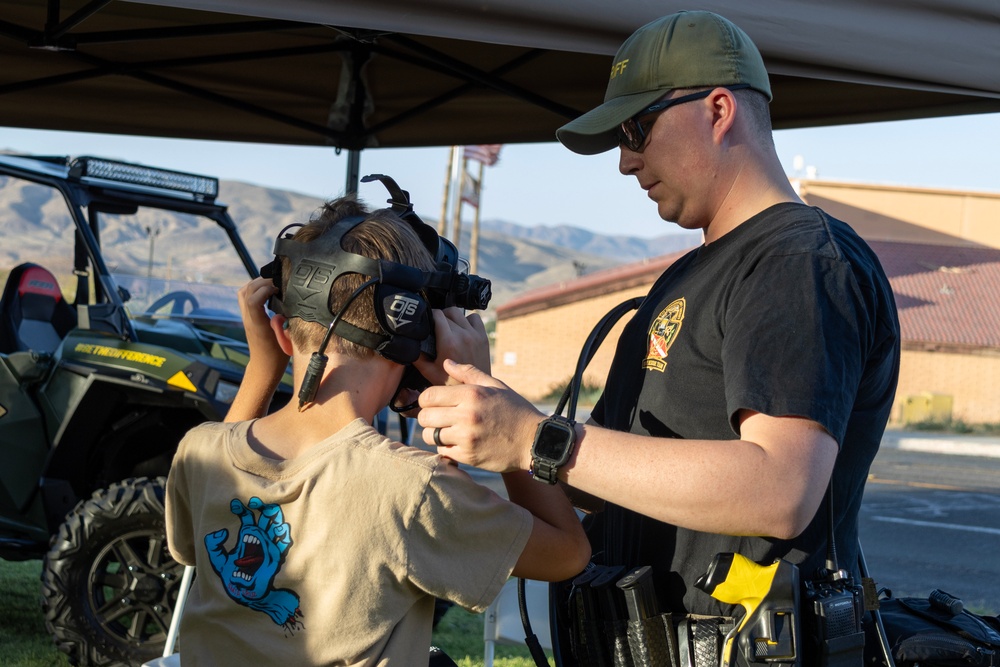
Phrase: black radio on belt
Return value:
(835, 624)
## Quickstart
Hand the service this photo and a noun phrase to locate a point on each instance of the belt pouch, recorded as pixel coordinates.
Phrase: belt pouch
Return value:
(647, 640)
(618, 642)
(701, 639)
(705, 641)
(586, 636)
(611, 608)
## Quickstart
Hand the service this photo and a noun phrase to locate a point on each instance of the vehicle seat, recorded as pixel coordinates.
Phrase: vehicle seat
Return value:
(33, 313)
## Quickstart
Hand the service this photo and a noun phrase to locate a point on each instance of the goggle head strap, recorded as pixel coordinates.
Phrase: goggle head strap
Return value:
(401, 312)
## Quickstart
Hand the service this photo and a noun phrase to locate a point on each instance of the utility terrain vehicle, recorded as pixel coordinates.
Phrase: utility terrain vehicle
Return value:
(119, 331)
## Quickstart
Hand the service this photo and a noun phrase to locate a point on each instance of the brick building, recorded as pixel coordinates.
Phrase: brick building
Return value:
(940, 249)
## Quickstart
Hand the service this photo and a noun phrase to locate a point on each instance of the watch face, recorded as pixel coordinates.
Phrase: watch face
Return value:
(553, 441)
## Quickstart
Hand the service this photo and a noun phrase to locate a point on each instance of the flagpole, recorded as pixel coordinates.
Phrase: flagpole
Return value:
(456, 188)
(448, 178)
(456, 219)
(353, 172)
(474, 245)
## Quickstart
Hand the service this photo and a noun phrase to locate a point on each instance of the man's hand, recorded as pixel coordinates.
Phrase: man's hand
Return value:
(483, 422)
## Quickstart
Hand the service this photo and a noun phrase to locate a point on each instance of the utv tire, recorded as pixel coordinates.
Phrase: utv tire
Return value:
(108, 582)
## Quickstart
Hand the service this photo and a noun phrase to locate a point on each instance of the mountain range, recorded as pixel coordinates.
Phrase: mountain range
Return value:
(514, 257)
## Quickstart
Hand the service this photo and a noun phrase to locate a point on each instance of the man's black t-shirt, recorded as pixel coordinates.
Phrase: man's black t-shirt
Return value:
(790, 314)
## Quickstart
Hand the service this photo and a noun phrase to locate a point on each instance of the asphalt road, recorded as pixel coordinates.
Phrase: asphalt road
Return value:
(935, 470)
(933, 521)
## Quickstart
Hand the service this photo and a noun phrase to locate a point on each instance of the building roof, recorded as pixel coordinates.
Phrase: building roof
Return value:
(947, 296)
(594, 284)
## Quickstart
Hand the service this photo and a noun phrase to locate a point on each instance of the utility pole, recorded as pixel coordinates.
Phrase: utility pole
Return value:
(152, 232)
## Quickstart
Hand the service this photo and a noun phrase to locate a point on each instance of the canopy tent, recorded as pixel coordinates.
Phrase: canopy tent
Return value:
(363, 73)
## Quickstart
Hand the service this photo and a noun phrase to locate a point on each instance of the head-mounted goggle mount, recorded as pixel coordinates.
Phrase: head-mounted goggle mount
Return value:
(404, 295)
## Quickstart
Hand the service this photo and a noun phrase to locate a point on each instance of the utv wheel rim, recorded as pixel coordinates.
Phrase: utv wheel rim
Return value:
(133, 587)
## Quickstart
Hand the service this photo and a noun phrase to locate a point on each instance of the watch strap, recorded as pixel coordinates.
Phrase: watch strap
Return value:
(544, 471)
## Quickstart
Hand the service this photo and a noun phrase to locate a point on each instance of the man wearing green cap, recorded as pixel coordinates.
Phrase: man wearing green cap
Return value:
(761, 367)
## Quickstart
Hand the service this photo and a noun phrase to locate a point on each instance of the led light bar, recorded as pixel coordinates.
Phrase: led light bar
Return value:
(204, 188)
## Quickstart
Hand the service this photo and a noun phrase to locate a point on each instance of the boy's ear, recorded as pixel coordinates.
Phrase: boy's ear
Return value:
(279, 325)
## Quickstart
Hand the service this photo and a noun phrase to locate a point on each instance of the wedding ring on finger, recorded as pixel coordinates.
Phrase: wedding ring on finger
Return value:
(437, 437)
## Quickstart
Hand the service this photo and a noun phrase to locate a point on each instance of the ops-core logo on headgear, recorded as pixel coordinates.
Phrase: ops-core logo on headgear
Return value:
(309, 287)
(403, 311)
(662, 334)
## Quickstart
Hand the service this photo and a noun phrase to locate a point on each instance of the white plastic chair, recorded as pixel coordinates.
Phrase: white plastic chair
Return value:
(502, 624)
(171, 658)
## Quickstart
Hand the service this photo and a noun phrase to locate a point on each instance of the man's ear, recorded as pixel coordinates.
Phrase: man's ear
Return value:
(724, 105)
(279, 325)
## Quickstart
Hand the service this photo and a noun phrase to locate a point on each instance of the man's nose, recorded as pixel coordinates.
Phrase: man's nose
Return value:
(629, 162)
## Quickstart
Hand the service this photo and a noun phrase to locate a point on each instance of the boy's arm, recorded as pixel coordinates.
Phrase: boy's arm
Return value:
(177, 511)
(267, 362)
(558, 547)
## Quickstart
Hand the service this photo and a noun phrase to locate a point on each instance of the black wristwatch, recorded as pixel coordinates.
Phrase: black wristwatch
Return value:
(554, 440)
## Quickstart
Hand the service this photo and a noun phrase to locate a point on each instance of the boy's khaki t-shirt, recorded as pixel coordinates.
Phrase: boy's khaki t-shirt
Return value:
(334, 557)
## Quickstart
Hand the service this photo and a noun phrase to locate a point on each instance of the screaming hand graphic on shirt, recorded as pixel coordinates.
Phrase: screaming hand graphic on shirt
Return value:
(247, 572)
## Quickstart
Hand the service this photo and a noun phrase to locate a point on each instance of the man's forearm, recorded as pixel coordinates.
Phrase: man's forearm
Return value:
(769, 483)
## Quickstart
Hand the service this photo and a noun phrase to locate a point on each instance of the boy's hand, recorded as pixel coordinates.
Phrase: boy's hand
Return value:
(268, 362)
(460, 338)
(264, 349)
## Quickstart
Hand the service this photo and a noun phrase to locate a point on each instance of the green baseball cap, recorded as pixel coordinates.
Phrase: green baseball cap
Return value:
(683, 50)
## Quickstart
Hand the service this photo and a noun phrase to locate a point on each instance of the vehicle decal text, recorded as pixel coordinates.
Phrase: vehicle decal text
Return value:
(124, 355)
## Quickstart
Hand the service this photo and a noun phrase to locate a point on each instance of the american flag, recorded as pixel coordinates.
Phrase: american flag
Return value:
(470, 190)
(488, 154)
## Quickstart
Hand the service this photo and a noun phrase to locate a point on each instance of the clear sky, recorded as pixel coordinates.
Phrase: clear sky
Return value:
(545, 184)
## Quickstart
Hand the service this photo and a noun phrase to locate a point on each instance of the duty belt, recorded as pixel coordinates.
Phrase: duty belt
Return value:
(613, 622)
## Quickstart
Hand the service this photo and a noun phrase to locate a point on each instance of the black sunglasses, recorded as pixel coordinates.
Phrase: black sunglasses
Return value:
(631, 133)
